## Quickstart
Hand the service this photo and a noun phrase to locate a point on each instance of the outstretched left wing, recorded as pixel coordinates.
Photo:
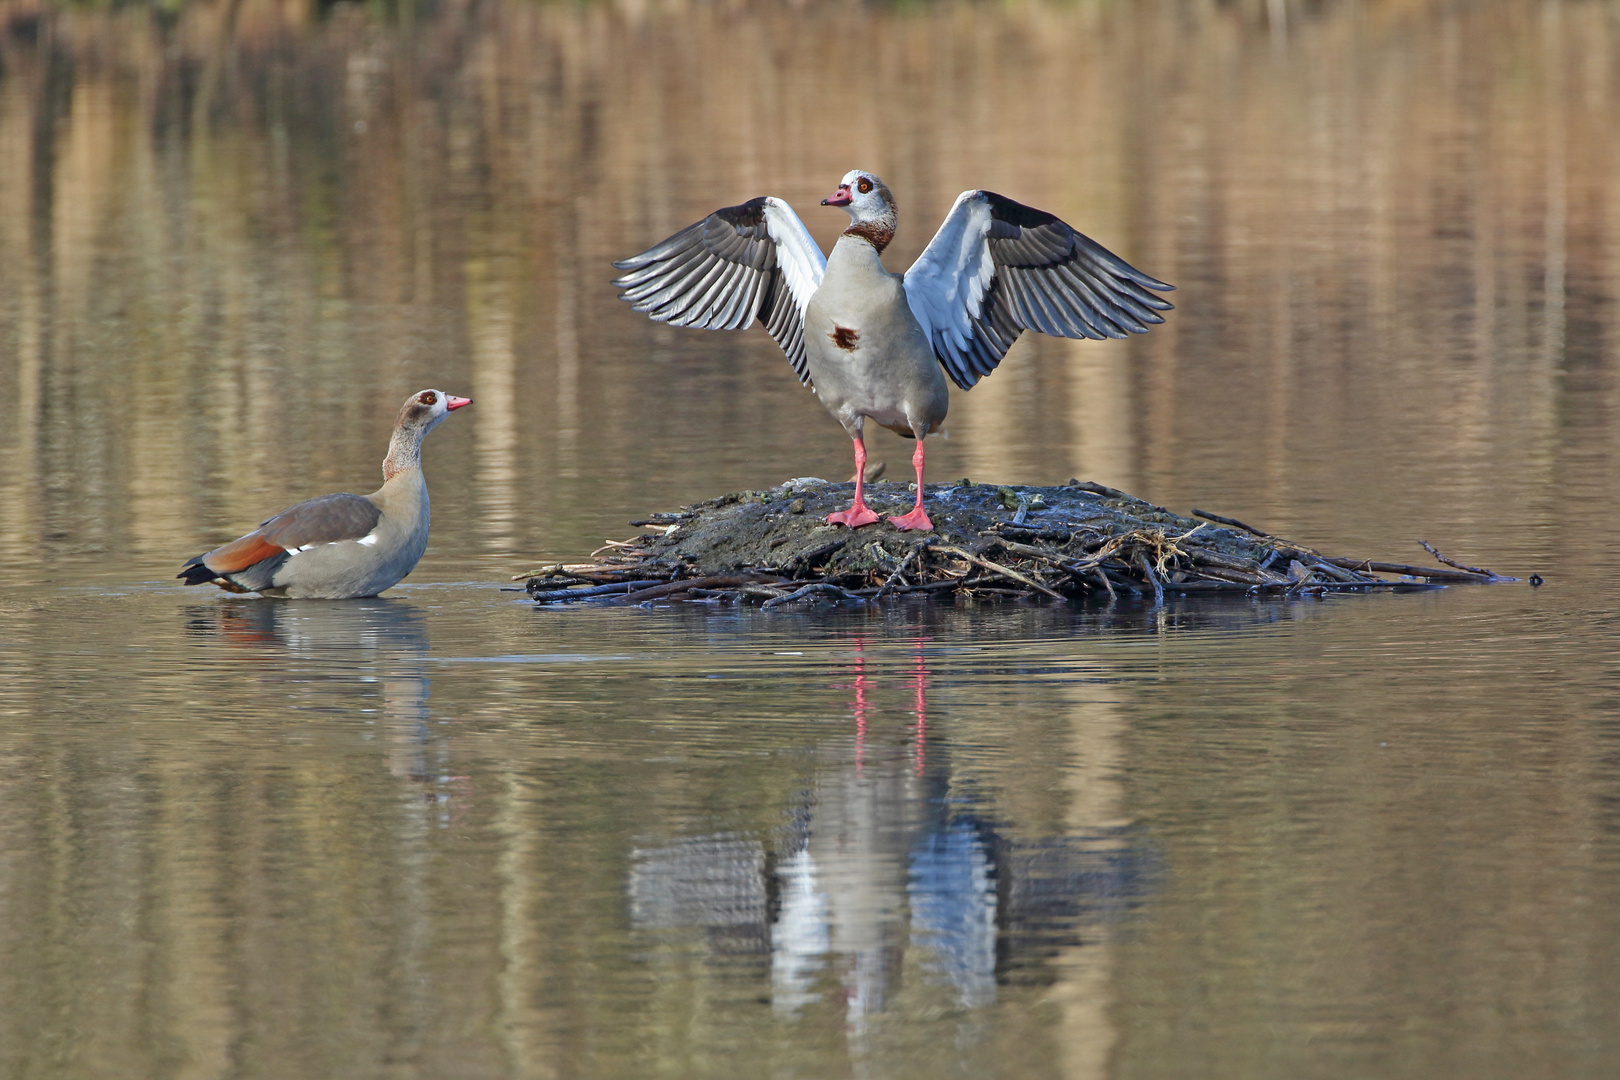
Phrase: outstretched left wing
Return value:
(997, 267)
(719, 273)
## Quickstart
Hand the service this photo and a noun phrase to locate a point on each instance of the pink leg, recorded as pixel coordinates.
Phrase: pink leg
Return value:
(918, 518)
(858, 514)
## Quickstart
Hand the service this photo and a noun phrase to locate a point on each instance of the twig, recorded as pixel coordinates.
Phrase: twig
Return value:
(805, 558)
(1013, 575)
(888, 586)
(1460, 566)
(614, 544)
(1103, 489)
(1234, 522)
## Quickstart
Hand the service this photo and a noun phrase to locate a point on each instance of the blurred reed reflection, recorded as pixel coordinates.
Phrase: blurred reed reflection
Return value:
(378, 641)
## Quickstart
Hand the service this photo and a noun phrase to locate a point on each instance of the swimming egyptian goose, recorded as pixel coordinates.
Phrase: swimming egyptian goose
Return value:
(877, 345)
(340, 546)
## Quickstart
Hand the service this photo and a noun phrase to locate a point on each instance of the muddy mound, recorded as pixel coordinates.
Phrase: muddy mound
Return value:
(999, 540)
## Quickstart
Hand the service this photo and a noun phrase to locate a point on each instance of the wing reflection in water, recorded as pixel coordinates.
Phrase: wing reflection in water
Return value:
(378, 641)
(896, 876)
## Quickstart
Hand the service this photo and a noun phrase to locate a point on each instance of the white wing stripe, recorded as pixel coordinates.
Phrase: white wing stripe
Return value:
(800, 258)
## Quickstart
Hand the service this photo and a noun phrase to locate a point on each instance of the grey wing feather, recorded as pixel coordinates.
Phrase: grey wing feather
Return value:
(324, 520)
(719, 274)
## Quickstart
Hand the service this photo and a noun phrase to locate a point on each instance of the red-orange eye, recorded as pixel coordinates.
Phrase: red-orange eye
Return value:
(428, 397)
(865, 185)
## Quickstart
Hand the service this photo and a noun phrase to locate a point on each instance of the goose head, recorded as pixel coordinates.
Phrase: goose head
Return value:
(421, 413)
(424, 411)
(869, 204)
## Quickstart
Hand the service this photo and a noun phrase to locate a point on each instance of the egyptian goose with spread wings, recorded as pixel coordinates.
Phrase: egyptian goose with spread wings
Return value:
(878, 345)
(336, 547)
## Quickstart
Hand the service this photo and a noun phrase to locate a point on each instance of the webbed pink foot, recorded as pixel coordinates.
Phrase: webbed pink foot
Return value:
(854, 517)
(917, 519)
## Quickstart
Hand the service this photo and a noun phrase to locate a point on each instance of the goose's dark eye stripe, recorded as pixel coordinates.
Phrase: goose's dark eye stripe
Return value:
(428, 397)
(865, 185)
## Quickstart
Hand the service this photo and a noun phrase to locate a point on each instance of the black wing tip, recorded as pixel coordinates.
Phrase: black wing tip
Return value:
(195, 573)
(1014, 212)
(748, 213)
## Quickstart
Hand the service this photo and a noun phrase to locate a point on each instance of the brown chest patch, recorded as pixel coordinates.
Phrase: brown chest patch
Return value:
(876, 233)
(844, 337)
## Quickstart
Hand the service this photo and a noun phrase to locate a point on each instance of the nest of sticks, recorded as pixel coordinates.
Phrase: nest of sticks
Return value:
(1081, 540)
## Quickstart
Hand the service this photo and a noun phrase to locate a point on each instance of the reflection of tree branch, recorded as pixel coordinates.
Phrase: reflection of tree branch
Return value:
(224, 49)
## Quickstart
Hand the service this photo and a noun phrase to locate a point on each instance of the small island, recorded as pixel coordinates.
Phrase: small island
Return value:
(1078, 541)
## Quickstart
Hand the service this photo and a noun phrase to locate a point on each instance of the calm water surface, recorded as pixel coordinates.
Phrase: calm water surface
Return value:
(444, 834)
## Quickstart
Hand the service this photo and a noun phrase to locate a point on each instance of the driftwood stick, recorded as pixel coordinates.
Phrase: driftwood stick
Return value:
(718, 581)
(1120, 581)
(552, 596)
(763, 592)
(1006, 572)
(1147, 572)
(1230, 562)
(1209, 586)
(814, 587)
(1106, 584)
(1241, 577)
(1376, 566)
(1034, 552)
(1338, 574)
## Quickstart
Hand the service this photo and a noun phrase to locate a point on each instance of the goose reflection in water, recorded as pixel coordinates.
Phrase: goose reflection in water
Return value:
(889, 854)
(381, 641)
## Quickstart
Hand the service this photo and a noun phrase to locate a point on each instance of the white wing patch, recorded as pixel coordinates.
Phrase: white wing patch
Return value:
(369, 540)
(945, 287)
(797, 254)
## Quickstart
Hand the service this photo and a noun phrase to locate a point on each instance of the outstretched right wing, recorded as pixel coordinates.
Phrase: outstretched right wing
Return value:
(997, 268)
(741, 262)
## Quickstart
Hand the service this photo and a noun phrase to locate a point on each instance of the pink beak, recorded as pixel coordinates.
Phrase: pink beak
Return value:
(840, 197)
(452, 403)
